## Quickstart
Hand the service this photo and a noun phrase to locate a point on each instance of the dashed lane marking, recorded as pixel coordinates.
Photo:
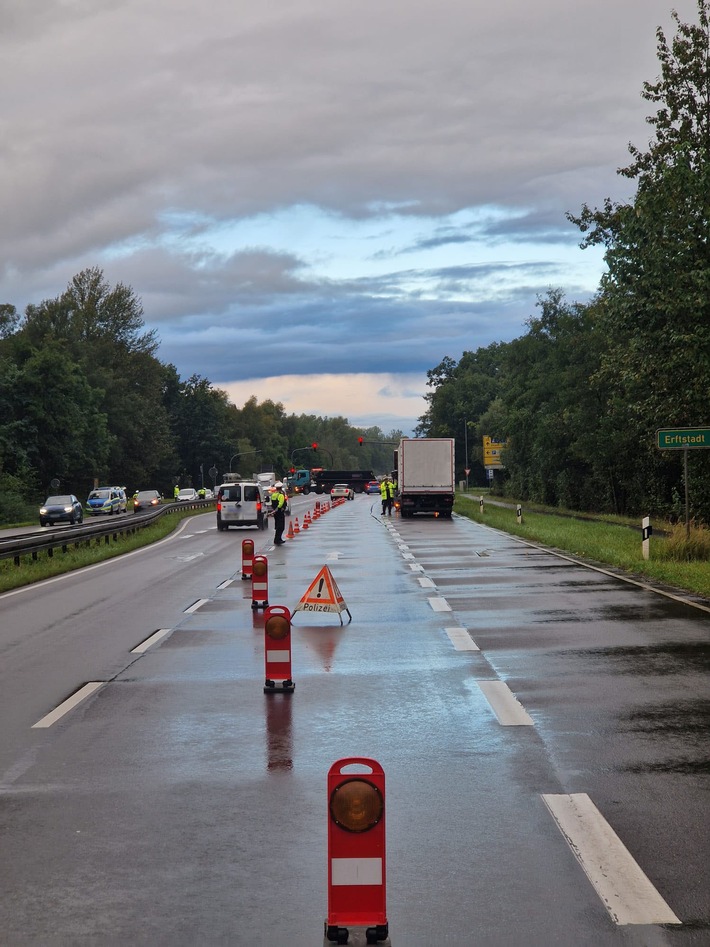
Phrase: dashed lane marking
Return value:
(461, 640)
(426, 583)
(439, 604)
(505, 705)
(195, 605)
(624, 889)
(69, 704)
(149, 642)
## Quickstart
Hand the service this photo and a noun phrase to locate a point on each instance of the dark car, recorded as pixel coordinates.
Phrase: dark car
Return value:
(146, 500)
(372, 487)
(61, 509)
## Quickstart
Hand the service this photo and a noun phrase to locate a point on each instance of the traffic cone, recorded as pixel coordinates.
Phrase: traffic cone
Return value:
(296, 527)
(306, 520)
(290, 534)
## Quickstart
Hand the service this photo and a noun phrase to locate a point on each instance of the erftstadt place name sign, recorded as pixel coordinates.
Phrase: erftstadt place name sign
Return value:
(682, 437)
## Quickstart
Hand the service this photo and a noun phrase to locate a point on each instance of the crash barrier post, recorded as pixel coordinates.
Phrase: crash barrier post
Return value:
(260, 582)
(277, 650)
(356, 851)
(247, 558)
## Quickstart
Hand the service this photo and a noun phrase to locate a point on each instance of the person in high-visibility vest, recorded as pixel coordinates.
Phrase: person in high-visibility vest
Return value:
(176, 491)
(387, 495)
(278, 503)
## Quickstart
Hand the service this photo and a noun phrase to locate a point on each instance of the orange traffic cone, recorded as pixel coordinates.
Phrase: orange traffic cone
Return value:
(290, 534)
(296, 528)
(306, 520)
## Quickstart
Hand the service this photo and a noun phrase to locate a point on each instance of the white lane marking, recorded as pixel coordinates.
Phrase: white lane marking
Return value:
(426, 583)
(97, 565)
(69, 704)
(225, 584)
(439, 604)
(149, 642)
(626, 892)
(461, 640)
(505, 705)
(415, 567)
(407, 555)
(333, 556)
(195, 605)
(356, 871)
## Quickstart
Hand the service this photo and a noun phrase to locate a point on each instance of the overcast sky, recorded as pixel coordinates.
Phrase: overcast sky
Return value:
(317, 201)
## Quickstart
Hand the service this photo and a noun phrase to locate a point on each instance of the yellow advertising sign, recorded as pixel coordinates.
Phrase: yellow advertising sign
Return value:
(492, 452)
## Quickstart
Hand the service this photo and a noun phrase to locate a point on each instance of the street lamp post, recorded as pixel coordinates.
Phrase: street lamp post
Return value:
(242, 454)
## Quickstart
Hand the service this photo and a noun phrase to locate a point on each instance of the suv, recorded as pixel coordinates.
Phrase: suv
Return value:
(240, 503)
(106, 500)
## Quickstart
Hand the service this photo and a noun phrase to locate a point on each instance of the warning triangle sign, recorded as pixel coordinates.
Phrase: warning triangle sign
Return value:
(323, 595)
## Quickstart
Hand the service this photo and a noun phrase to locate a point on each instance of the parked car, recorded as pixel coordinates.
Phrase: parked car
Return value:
(107, 500)
(187, 495)
(342, 490)
(61, 509)
(372, 487)
(146, 500)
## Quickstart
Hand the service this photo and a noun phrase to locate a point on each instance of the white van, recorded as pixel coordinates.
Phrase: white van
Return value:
(241, 503)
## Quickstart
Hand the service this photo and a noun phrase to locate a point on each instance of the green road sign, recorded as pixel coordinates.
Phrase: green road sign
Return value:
(681, 437)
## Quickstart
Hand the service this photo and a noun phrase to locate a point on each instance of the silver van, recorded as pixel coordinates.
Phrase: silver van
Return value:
(241, 503)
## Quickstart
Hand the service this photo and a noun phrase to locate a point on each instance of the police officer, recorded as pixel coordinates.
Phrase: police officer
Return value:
(176, 491)
(202, 493)
(278, 504)
(387, 495)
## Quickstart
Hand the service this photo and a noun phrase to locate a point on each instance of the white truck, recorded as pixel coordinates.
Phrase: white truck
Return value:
(425, 475)
(265, 479)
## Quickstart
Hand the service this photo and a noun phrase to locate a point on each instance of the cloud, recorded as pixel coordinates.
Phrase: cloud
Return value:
(259, 173)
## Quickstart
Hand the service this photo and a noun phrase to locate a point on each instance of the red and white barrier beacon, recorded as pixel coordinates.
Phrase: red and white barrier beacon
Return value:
(277, 650)
(356, 851)
(247, 558)
(260, 582)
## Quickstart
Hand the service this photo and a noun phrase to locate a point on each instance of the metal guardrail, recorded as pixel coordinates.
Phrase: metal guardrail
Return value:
(47, 541)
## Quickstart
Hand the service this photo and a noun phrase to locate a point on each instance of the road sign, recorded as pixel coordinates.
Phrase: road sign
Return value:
(681, 437)
(492, 452)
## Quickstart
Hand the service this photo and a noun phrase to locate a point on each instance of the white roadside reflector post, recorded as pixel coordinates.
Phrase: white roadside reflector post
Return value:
(646, 531)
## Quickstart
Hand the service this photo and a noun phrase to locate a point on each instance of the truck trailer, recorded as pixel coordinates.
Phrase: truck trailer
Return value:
(425, 475)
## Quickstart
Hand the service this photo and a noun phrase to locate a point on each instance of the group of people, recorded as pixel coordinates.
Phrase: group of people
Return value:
(388, 488)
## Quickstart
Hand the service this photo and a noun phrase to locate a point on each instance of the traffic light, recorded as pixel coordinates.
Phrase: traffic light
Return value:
(314, 445)
(292, 470)
(359, 440)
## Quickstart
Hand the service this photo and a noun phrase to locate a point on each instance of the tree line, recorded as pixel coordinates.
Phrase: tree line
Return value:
(84, 397)
(579, 396)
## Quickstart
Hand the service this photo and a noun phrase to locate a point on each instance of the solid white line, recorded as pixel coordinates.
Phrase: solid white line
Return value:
(97, 565)
(426, 583)
(461, 640)
(149, 642)
(626, 892)
(439, 604)
(505, 705)
(195, 605)
(69, 704)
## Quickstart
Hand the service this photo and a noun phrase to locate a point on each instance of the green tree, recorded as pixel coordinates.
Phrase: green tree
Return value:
(654, 307)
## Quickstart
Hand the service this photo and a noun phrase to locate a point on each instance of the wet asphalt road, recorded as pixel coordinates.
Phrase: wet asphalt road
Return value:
(180, 805)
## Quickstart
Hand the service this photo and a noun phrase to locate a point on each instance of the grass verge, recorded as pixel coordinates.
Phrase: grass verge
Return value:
(599, 542)
(46, 567)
